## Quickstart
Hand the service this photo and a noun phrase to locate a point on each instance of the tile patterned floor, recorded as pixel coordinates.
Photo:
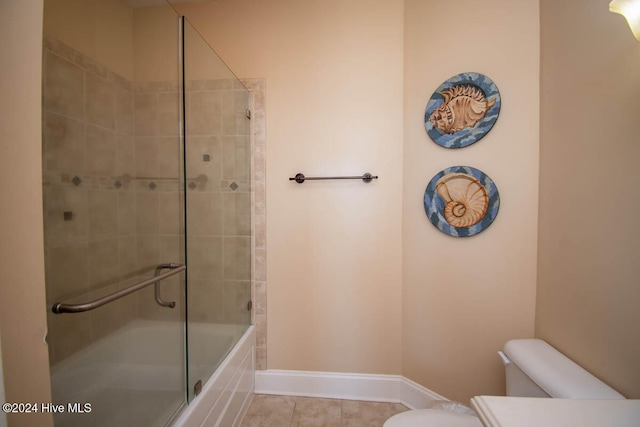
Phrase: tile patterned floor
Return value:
(292, 411)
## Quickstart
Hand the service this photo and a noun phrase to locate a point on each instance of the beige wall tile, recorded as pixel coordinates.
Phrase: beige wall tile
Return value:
(259, 276)
(147, 157)
(168, 157)
(236, 297)
(204, 257)
(204, 213)
(57, 230)
(92, 65)
(63, 87)
(237, 258)
(146, 114)
(168, 113)
(127, 223)
(125, 113)
(147, 213)
(261, 358)
(259, 198)
(261, 330)
(259, 230)
(63, 142)
(170, 206)
(260, 298)
(100, 101)
(127, 255)
(103, 263)
(209, 84)
(236, 214)
(125, 154)
(204, 113)
(103, 214)
(100, 145)
(196, 148)
(205, 301)
(148, 252)
(260, 269)
(234, 116)
(259, 165)
(171, 249)
(67, 269)
(236, 158)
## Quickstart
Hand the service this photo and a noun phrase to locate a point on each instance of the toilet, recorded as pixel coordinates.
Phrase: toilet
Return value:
(533, 368)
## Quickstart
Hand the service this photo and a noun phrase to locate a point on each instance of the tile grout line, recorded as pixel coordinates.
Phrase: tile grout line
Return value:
(293, 410)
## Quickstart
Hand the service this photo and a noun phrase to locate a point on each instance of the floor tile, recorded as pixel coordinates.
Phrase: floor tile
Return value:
(315, 412)
(269, 411)
(292, 411)
(369, 414)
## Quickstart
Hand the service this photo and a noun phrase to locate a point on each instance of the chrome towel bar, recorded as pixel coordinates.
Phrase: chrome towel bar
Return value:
(175, 268)
(300, 178)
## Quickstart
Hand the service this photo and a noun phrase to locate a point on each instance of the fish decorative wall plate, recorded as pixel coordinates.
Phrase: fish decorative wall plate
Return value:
(461, 201)
(462, 110)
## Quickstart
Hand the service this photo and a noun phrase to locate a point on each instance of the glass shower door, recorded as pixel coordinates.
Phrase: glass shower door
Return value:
(113, 200)
(218, 168)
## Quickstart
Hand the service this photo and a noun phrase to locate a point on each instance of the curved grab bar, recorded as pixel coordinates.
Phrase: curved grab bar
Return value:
(60, 307)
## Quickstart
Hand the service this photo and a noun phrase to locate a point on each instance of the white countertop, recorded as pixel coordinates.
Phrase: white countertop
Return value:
(501, 411)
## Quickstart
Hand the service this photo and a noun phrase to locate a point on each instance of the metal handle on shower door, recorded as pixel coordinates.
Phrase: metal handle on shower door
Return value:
(60, 307)
(159, 300)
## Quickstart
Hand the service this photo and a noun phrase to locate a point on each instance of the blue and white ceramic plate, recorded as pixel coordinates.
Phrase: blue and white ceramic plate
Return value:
(462, 110)
(461, 201)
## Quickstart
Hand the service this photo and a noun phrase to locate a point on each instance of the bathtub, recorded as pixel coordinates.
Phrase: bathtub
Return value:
(135, 377)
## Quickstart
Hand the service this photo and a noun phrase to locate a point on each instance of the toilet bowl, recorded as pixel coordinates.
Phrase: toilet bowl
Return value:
(533, 369)
(432, 417)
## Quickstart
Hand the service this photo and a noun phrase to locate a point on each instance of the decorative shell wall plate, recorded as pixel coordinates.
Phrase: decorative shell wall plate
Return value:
(461, 201)
(462, 110)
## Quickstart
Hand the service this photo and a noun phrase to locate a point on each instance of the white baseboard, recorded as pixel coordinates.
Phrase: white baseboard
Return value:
(334, 385)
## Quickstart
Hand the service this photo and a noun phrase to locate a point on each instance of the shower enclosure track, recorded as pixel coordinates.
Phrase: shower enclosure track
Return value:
(174, 268)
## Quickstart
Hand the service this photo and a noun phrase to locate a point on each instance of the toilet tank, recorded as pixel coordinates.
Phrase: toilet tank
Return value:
(536, 369)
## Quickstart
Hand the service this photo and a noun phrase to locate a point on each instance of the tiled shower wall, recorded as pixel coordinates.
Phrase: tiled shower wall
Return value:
(257, 87)
(218, 201)
(90, 227)
(112, 200)
(155, 177)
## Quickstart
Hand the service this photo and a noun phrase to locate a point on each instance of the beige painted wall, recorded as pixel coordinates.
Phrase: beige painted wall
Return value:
(464, 297)
(22, 317)
(334, 82)
(322, 74)
(588, 289)
(155, 41)
(100, 29)
(140, 44)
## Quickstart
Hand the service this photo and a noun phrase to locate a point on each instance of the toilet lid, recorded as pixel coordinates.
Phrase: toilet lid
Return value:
(432, 417)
